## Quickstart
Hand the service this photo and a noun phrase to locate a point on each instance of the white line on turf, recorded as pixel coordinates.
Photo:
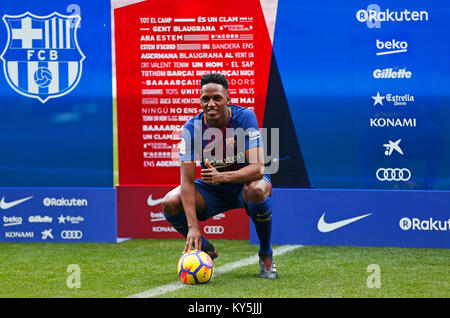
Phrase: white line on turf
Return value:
(160, 290)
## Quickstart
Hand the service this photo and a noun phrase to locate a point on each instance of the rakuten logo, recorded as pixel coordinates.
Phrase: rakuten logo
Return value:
(373, 16)
(430, 224)
(64, 202)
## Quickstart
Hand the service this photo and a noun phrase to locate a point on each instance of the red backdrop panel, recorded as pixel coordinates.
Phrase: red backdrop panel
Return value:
(139, 215)
(162, 49)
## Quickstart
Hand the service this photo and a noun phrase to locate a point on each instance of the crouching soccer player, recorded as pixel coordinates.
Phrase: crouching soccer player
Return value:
(231, 178)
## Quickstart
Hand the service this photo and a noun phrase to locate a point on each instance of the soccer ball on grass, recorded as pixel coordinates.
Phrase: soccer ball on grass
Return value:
(195, 267)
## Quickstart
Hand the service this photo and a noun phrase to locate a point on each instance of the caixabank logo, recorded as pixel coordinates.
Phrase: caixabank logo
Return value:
(42, 58)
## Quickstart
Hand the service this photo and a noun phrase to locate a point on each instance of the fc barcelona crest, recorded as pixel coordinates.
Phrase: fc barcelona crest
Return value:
(42, 58)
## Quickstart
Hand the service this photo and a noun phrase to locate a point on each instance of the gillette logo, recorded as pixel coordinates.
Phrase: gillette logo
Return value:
(389, 73)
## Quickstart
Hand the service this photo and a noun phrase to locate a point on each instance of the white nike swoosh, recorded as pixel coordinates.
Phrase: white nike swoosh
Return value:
(325, 227)
(152, 202)
(6, 205)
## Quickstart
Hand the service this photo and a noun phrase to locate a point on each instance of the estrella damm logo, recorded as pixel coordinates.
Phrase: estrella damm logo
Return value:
(42, 58)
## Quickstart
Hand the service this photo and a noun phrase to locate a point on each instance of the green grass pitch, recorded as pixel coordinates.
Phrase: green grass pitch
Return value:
(127, 268)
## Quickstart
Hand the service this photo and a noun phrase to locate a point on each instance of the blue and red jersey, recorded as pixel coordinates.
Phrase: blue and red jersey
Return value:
(200, 140)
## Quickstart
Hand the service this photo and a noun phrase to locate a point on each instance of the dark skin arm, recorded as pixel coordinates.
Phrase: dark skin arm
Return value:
(187, 194)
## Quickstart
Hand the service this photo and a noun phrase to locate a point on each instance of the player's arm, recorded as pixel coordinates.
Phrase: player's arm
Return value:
(253, 171)
(187, 194)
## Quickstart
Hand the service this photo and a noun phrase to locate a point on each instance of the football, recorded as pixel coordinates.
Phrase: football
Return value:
(195, 267)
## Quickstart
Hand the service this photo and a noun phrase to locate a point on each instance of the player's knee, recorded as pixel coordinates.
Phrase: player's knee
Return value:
(256, 192)
(171, 204)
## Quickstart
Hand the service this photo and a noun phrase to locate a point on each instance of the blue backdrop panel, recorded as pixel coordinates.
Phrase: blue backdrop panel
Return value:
(383, 218)
(326, 58)
(62, 135)
(58, 215)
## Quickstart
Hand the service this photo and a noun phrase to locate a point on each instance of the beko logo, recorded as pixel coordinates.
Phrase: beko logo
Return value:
(214, 229)
(64, 202)
(430, 224)
(157, 216)
(391, 47)
(12, 220)
(254, 134)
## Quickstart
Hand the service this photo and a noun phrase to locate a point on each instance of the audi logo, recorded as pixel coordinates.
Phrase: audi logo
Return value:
(71, 234)
(213, 229)
(393, 174)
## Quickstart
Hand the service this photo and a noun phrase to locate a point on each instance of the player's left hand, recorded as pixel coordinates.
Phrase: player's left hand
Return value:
(193, 239)
(210, 175)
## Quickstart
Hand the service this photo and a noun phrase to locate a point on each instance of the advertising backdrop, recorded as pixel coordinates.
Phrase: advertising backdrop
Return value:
(140, 215)
(407, 218)
(56, 119)
(162, 50)
(358, 92)
(58, 215)
(366, 86)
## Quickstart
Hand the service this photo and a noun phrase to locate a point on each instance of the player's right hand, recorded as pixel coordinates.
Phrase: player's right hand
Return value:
(193, 239)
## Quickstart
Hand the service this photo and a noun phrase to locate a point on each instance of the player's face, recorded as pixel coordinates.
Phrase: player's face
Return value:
(214, 100)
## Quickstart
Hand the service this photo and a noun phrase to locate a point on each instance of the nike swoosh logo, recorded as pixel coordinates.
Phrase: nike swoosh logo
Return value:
(7, 205)
(152, 202)
(325, 227)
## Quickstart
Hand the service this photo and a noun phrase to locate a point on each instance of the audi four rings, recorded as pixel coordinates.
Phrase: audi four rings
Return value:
(214, 229)
(71, 234)
(393, 174)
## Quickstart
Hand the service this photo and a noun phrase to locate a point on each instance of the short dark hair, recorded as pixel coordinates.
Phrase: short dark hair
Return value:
(216, 78)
